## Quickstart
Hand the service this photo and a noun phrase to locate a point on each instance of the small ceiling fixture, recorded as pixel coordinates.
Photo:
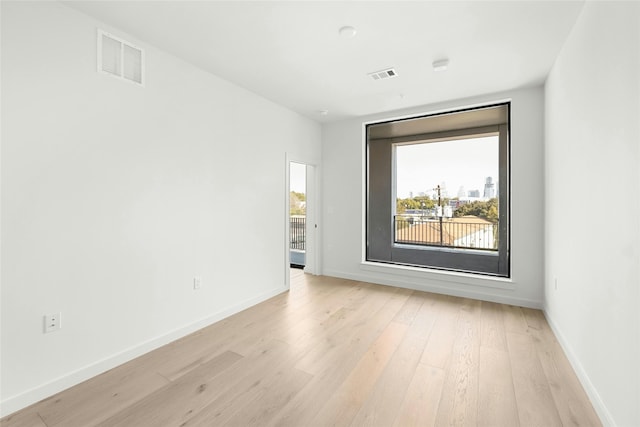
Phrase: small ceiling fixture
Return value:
(323, 112)
(383, 74)
(347, 32)
(440, 64)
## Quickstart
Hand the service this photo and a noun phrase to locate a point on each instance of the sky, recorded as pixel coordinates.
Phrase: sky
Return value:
(297, 178)
(422, 167)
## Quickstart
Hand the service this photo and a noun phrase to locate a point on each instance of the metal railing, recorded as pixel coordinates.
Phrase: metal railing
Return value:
(453, 233)
(297, 234)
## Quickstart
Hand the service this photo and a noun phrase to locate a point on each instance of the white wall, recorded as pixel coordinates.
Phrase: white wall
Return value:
(343, 203)
(592, 205)
(115, 196)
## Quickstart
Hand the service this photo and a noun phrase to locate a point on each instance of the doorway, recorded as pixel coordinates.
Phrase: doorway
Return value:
(297, 214)
(301, 223)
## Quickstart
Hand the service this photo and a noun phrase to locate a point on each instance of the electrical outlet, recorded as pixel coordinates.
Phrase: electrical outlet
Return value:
(52, 322)
(197, 282)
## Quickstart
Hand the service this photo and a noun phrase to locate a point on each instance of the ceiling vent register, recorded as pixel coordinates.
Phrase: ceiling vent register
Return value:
(384, 74)
(119, 58)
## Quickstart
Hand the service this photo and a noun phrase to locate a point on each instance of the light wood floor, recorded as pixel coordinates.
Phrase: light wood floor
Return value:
(339, 352)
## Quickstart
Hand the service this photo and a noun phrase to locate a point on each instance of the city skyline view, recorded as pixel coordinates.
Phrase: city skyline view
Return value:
(420, 168)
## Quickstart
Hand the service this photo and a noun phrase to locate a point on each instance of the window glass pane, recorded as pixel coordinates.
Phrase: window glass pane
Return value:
(447, 193)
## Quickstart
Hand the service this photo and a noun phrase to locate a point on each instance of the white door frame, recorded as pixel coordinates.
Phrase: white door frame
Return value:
(311, 255)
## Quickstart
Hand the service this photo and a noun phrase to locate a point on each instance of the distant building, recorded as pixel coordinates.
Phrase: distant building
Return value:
(489, 188)
(474, 193)
(443, 189)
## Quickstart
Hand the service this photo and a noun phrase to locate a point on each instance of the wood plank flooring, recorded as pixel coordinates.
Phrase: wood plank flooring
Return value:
(335, 352)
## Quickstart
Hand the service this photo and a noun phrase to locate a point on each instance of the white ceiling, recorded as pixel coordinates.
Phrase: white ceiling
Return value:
(291, 53)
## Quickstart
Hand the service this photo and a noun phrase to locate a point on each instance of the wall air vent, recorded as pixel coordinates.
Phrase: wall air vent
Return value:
(384, 74)
(120, 58)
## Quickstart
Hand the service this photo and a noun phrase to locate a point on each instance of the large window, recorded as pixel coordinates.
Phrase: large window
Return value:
(438, 191)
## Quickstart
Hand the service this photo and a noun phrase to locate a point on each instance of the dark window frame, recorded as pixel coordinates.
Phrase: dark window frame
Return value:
(382, 137)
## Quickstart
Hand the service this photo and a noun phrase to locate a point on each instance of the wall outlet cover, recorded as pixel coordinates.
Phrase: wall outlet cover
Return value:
(52, 322)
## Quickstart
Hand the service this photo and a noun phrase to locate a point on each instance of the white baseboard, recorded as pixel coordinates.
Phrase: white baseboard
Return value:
(432, 286)
(601, 409)
(36, 394)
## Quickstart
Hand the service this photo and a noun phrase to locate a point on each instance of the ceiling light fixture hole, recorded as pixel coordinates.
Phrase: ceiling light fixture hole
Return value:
(347, 32)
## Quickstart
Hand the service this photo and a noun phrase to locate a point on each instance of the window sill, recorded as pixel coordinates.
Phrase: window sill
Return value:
(439, 275)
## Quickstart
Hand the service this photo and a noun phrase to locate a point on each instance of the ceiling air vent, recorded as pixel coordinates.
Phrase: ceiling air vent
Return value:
(384, 74)
(119, 58)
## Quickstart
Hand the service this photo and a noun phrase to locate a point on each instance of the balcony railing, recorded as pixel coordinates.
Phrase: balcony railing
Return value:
(461, 233)
(297, 234)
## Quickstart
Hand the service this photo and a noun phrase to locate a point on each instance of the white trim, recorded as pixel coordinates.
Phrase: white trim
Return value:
(601, 409)
(287, 225)
(311, 194)
(439, 275)
(22, 400)
(436, 286)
